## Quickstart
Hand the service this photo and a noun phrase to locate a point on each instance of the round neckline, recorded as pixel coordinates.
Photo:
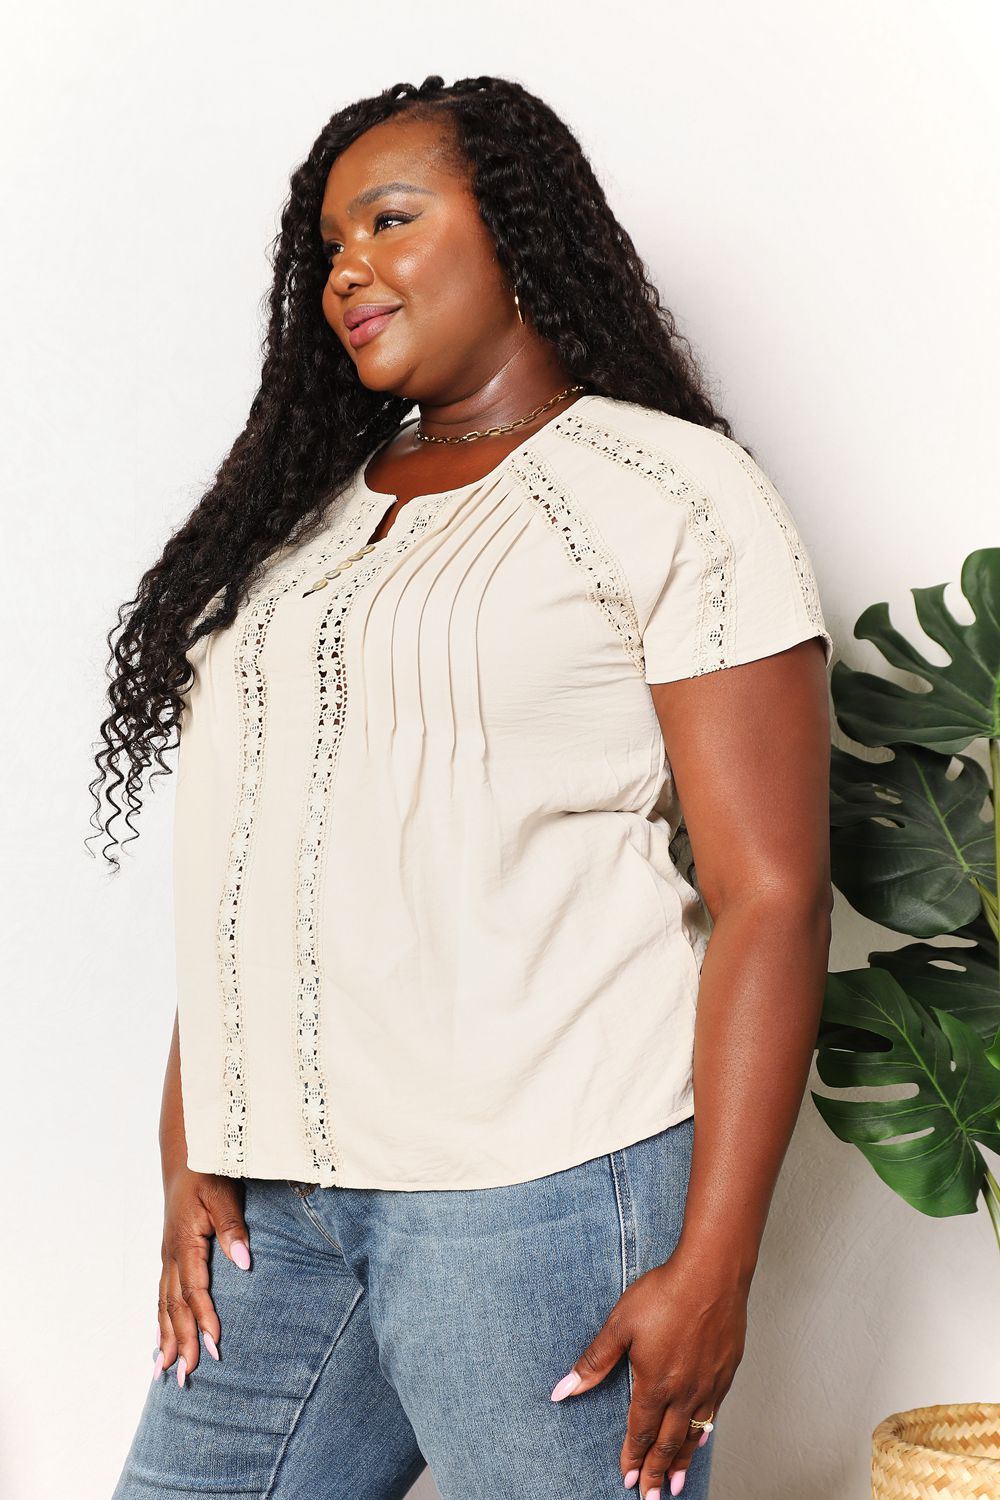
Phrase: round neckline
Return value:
(472, 483)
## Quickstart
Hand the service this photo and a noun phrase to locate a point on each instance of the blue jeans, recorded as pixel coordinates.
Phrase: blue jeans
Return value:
(379, 1332)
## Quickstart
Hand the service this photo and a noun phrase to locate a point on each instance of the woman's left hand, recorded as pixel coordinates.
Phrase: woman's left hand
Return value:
(683, 1325)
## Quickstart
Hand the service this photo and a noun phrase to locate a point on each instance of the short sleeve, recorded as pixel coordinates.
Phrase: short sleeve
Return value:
(739, 582)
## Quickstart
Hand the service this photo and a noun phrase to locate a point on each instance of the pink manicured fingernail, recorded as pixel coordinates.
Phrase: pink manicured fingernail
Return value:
(568, 1383)
(652, 1495)
(158, 1367)
(181, 1370)
(677, 1483)
(210, 1344)
(631, 1477)
(156, 1339)
(703, 1439)
(240, 1254)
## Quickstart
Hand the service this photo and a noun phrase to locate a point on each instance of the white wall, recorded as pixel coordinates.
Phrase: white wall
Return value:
(814, 188)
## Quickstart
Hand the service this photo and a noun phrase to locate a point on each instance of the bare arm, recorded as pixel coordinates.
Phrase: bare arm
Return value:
(173, 1142)
(197, 1207)
(750, 752)
(749, 749)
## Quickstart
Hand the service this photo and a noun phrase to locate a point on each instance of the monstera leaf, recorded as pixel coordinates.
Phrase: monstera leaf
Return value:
(964, 699)
(940, 1169)
(944, 976)
(908, 846)
(915, 849)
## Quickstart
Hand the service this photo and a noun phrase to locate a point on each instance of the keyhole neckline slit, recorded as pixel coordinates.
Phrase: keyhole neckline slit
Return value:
(471, 484)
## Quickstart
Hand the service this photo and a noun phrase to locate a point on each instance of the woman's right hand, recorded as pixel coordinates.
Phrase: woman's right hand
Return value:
(196, 1206)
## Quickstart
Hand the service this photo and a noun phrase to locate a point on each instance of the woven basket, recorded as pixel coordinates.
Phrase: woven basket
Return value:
(949, 1452)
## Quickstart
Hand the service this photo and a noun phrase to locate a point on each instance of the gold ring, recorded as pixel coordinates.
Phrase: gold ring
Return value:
(705, 1423)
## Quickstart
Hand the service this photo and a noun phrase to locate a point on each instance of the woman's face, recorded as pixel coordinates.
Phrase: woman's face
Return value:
(421, 249)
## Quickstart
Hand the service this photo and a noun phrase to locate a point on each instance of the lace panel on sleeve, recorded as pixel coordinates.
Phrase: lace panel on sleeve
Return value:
(585, 547)
(784, 518)
(715, 625)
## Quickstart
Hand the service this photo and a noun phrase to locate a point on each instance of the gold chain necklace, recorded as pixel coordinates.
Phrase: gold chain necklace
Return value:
(468, 437)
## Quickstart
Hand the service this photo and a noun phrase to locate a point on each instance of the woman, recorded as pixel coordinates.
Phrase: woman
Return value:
(432, 1190)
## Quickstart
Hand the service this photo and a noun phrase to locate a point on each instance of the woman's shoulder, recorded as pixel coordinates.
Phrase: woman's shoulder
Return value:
(652, 442)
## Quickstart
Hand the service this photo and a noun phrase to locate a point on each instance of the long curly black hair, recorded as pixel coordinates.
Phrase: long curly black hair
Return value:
(312, 422)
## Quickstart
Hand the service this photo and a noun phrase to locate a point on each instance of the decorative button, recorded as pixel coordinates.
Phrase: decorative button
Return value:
(340, 568)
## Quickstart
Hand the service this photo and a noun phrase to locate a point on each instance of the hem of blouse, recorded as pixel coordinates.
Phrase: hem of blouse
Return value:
(633, 1135)
(759, 652)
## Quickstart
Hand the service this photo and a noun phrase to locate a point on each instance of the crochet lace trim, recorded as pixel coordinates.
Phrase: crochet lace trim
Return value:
(713, 629)
(585, 547)
(330, 709)
(715, 624)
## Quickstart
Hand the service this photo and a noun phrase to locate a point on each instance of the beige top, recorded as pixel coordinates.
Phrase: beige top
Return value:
(434, 928)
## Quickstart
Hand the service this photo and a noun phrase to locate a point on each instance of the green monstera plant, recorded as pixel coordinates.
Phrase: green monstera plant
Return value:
(917, 850)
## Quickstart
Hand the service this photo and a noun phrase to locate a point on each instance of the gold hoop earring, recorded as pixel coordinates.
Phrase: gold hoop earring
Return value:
(518, 306)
